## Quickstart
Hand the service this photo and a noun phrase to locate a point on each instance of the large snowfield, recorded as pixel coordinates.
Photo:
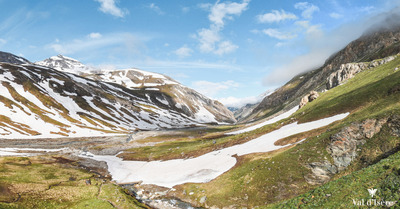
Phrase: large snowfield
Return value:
(203, 168)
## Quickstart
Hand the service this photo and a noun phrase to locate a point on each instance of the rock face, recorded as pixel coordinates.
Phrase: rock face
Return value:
(345, 144)
(308, 98)
(349, 70)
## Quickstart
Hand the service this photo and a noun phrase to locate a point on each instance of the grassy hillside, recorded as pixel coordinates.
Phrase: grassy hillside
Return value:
(348, 191)
(371, 93)
(55, 182)
(265, 178)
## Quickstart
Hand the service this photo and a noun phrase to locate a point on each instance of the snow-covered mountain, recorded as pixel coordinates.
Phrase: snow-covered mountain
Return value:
(38, 101)
(193, 104)
(66, 64)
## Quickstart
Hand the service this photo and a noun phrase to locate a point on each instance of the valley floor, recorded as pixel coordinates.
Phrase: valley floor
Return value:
(349, 139)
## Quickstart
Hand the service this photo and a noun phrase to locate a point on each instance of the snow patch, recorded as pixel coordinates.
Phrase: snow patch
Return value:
(203, 168)
(270, 121)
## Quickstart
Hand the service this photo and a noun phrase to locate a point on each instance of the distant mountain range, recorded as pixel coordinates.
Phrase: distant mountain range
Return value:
(62, 97)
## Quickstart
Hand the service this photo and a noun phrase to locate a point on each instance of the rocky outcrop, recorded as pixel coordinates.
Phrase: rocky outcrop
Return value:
(345, 144)
(394, 125)
(321, 172)
(313, 95)
(345, 72)
(349, 70)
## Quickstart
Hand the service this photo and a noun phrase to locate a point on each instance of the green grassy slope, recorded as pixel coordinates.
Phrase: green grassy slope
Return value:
(348, 191)
(54, 182)
(262, 179)
(370, 94)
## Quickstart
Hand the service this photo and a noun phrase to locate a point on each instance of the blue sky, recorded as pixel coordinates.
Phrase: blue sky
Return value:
(227, 50)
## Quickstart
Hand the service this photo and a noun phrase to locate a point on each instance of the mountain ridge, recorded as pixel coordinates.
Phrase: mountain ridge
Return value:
(190, 101)
(370, 46)
(43, 102)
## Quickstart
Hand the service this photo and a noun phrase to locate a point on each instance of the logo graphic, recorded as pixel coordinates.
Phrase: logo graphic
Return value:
(372, 201)
(372, 192)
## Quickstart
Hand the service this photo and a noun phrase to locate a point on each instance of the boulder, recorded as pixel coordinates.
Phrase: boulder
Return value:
(308, 98)
(321, 172)
(203, 199)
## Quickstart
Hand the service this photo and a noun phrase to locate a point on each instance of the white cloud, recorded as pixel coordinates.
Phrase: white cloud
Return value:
(225, 47)
(150, 63)
(127, 41)
(307, 8)
(276, 16)
(238, 102)
(184, 51)
(205, 6)
(335, 15)
(367, 9)
(2, 42)
(200, 65)
(210, 89)
(241, 102)
(155, 8)
(185, 9)
(315, 30)
(281, 44)
(17, 23)
(109, 7)
(221, 11)
(94, 35)
(210, 38)
(274, 33)
(106, 67)
(297, 65)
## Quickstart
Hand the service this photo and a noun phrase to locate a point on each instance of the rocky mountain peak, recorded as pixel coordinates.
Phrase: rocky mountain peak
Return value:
(66, 64)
